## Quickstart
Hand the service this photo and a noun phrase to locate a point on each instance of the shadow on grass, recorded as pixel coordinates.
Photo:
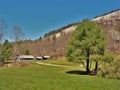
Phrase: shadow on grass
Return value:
(8, 62)
(78, 72)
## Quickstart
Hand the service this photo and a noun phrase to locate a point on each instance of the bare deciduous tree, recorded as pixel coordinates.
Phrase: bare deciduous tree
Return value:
(3, 26)
(17, 33)
(18, 36)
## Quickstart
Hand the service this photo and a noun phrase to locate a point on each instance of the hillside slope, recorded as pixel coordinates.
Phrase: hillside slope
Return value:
(110, 23)
(54, 43)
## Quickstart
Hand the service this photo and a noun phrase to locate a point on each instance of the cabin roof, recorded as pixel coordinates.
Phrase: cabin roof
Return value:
(26, 56)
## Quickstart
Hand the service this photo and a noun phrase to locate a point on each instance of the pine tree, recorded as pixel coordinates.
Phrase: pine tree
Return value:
(87, 42)
(6, 50)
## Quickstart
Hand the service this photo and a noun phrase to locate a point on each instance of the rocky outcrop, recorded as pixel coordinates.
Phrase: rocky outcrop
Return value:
(112, 18)
(110, 23)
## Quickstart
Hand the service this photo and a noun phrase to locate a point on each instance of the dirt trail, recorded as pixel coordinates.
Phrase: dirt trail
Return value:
(51, 64)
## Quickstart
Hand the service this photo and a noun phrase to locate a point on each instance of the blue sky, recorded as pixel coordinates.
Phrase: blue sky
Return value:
(37, 17)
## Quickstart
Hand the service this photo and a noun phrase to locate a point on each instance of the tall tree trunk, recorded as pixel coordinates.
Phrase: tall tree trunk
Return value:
(96, 66)
(87, 66)
(88, 61)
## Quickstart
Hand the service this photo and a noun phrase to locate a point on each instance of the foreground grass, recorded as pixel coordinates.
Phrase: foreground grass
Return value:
(40, 77)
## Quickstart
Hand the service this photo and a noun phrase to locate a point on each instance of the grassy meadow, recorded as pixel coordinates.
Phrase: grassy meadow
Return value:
(43, 77)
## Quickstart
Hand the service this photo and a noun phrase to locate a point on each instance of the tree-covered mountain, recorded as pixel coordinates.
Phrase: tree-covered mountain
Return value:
(54, 43)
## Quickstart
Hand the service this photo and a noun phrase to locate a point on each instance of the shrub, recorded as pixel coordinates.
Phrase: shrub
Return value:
(111, 69)
(27, 52)
(2, 61)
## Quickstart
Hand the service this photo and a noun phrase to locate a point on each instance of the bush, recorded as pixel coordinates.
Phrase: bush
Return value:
(111, 69)
(2, 61)
(27, 52)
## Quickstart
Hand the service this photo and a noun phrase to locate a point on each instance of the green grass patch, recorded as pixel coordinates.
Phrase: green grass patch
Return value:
(41, 77)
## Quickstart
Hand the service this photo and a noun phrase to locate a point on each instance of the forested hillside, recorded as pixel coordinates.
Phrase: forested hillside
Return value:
(54, 43)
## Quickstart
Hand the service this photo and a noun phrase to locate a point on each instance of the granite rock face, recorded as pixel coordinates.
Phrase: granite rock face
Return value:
(112, 18)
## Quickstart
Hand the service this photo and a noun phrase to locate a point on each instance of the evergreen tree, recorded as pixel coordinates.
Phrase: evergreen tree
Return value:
(6, 50)
(87, 43)
(27, 52)
(54, 45)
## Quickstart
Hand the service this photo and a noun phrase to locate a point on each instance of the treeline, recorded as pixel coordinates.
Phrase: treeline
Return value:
(59, 30)
(107, 13)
